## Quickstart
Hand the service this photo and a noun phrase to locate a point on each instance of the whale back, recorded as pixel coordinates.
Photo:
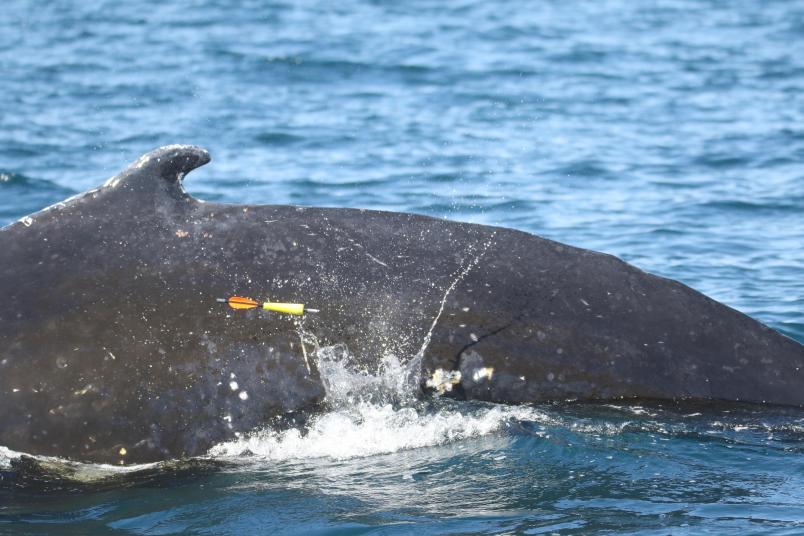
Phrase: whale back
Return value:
(114, 349)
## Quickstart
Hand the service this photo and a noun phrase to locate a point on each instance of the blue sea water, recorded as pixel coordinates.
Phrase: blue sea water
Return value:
(669, 133)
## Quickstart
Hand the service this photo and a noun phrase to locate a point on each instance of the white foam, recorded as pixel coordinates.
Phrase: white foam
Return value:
(372, 412)
(78, 471)
(6, 456)
(370, 429)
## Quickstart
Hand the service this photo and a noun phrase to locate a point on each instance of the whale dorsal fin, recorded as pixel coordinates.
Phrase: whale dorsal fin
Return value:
(160, 170)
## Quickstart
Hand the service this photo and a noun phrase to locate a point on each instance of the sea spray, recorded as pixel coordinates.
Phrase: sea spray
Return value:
(375, 410)
(371, 412)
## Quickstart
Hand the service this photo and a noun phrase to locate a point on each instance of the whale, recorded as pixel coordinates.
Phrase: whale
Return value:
(113, 348)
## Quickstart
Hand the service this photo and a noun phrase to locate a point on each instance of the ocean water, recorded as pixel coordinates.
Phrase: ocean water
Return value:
(669, 133)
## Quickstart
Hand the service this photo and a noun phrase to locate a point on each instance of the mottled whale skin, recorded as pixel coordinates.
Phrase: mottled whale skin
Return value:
(113, 349)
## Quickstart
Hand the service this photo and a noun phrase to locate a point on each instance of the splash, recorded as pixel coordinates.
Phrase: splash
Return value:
(347, 383)
(372, 412)
(375, 411)
(371, 429)
(7, 456)
(463, 271)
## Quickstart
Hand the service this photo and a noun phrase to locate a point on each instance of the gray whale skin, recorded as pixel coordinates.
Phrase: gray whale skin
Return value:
(113, 349)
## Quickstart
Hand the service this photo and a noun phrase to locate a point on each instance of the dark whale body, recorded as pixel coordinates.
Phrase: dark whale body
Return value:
(113, 349)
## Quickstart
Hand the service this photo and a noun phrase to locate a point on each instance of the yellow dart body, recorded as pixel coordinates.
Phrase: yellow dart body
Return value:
(289, 308)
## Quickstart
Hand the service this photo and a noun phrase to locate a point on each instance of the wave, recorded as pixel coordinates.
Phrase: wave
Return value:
(21, 195)
(8, 178)
(22, 185)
